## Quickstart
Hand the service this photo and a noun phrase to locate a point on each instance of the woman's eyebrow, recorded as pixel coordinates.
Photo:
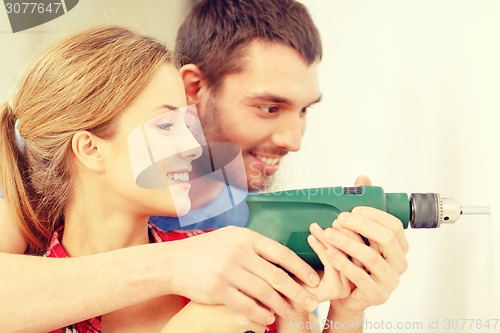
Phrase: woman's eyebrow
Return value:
(167, 106)
(164, 106)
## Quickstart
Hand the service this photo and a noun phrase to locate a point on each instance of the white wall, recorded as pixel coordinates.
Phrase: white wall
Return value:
(411, 98)
(157, 18)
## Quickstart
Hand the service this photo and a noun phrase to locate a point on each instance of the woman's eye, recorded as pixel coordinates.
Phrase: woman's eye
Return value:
(165, 126)
(269, 109)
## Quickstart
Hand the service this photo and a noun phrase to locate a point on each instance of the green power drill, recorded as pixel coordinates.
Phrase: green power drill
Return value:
(285, 216)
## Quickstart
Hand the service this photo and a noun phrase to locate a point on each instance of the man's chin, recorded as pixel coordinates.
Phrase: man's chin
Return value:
(259, 184)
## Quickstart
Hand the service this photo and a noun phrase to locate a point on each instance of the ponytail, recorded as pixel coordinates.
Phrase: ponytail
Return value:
(13, 180)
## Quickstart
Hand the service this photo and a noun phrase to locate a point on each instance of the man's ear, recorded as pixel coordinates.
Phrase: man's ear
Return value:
(86, 148)
(194, 82)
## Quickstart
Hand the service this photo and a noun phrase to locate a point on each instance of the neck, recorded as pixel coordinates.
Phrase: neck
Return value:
(203, 192)
(98, 222)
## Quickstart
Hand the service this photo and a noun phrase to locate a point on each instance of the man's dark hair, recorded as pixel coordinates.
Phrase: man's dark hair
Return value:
(215, 33)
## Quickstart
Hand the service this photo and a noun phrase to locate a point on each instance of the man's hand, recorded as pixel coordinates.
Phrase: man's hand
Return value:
(237, 267)
(383, 261)
(372, 270)
(375, 269)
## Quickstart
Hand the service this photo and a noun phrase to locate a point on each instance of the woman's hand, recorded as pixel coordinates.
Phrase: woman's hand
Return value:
(333, 284)
(238, 267)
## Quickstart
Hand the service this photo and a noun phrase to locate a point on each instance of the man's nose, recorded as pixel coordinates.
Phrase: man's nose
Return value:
(288, 134)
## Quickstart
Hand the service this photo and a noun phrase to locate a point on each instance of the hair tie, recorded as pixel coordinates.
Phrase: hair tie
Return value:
(11, 105)
(19, 137)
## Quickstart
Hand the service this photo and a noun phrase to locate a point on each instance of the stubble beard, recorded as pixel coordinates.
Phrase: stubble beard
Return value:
(211, 122)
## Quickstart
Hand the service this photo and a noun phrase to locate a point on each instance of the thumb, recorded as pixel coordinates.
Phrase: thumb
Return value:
(363, 180)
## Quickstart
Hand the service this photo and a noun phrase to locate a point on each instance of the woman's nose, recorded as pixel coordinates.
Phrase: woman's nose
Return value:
(190, 149)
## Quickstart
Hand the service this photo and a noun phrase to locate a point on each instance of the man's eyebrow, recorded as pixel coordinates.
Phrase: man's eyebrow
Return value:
(266, 98)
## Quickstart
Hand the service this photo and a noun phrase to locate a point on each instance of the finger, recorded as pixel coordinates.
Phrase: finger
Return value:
(354, 273)
(247, 306)
(380, 270)
(356, 237)
(318, 232)
(363, 181)
(367, 288)
(342, 290)
(387, 220)
(280, 281)
(376, 225)
(319, 249)
(281, 255)
(349, 233)
(377, 231)
(260, 290)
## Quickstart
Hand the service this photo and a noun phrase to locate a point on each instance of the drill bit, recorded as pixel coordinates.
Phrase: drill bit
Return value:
(474, 210)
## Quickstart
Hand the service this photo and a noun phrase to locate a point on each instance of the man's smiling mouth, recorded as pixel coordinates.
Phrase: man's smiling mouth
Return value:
(270, 161)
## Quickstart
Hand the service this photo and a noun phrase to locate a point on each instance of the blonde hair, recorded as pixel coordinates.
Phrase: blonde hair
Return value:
(82, 83)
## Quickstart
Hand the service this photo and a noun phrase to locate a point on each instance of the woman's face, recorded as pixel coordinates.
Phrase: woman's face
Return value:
(150, 157)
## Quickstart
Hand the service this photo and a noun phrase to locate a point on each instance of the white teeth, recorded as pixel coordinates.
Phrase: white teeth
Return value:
(269, 160)
(179, 177)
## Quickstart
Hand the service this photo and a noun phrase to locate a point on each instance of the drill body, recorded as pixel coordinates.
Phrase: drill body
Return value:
(285, 216)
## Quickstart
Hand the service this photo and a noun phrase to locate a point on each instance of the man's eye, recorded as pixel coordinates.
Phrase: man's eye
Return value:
(165, 126)
(269, 109)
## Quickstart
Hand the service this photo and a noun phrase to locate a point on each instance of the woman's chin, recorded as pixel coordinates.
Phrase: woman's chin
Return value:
(180, 200)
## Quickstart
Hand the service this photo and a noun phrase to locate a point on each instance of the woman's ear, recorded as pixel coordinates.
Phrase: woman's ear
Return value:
(87, 150)
(193, 82)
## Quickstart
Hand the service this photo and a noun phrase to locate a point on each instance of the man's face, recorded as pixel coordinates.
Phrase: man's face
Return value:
(262, 108)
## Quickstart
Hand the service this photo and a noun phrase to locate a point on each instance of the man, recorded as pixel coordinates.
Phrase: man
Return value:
(253, 90)
(253, 80)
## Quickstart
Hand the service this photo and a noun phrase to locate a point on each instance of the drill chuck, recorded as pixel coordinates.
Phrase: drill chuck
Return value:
(429, 210)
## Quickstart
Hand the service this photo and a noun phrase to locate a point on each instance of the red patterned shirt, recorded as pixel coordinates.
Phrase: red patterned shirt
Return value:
(93, 325)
